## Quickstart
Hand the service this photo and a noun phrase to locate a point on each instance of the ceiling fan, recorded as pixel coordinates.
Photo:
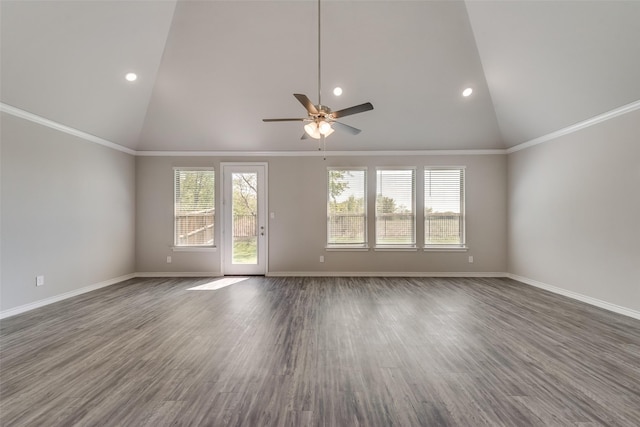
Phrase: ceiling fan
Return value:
(321, 120)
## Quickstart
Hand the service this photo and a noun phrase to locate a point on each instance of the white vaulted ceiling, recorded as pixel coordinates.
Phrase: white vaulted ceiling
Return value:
(210, 71)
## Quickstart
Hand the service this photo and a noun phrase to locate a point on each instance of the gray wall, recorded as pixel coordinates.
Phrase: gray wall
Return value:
(297, 235)
(563, 213)
(67, 213)
(574, 212)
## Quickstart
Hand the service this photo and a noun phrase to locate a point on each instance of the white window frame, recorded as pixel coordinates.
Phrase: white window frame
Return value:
(399, 246)
(364, 246)
(186, 247)
(447, 247)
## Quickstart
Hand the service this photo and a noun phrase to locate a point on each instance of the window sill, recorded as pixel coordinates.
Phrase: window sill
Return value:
(346, 248)
(396, 248)
(194, 248)
(445, 248)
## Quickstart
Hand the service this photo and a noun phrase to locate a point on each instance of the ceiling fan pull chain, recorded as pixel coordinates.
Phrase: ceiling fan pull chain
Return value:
(324, 146)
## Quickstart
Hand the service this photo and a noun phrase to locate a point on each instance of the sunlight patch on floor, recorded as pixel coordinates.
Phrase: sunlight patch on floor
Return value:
(218, 284)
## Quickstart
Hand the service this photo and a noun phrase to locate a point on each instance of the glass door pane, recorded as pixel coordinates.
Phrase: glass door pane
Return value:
(244, 202)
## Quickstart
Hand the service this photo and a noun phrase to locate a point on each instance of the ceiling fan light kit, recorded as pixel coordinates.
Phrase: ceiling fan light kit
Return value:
(321, 120)
(319, 129)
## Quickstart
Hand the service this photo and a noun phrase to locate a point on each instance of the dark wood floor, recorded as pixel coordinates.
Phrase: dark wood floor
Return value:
(320, 351)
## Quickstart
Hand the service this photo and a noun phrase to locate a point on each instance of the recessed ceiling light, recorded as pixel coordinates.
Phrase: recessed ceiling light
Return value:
(131, 77)
(337, 91)
(468, 91)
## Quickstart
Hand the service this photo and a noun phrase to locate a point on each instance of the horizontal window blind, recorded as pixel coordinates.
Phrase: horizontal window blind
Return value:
(346, 207)
(395, 207)
(444, 206)
(194, 207)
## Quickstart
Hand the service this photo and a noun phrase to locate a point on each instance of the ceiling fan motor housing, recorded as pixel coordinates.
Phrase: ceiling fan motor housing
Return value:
(323, 112)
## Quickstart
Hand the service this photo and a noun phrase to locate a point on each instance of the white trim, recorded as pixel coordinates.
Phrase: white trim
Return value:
(311, 153)
(578, 126)
(633, 106)
(399, 248)
(194, 248)
(382, 274)
(435, 248)
(573, 295)
(194, 168)
(31, 306)
(316, 153)
(63, 128)
(346, 248)
(576, 296)
(179, 274)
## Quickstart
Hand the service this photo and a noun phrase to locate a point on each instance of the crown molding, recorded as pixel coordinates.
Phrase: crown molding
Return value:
(576, 127)
(633, 106)
(63, 128)
(317, 153)
(14, 111)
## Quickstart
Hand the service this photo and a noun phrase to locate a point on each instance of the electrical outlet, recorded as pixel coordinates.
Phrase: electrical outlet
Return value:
(471, 259)
(168, 260)
(39, 280)
(321, 258)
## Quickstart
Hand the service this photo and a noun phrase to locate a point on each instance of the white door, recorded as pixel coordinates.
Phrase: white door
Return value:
(245, 218)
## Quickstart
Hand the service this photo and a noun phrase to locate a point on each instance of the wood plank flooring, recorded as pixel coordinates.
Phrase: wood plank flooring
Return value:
(320, 352)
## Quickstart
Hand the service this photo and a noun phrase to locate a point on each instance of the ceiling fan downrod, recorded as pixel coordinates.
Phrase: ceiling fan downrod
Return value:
(319, 61)
(320, 119)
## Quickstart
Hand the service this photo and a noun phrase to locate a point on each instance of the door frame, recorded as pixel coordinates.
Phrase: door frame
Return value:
(262, 211)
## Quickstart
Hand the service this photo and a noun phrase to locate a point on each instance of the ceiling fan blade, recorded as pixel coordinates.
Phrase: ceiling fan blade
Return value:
(304, 136)
(346, 128)
(306, 103)
(284, 120)
(352, 110)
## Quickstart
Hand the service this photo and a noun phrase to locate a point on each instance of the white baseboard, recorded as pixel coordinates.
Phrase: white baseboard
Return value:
(574, 295)
(381, 274)
(66, 295)
(31, 306)
(589, 300)
(179, 274)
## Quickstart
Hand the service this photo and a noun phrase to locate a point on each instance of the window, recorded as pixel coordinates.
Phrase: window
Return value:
(395, 207)
(347, 207)
(194, 210)
(444, 207)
